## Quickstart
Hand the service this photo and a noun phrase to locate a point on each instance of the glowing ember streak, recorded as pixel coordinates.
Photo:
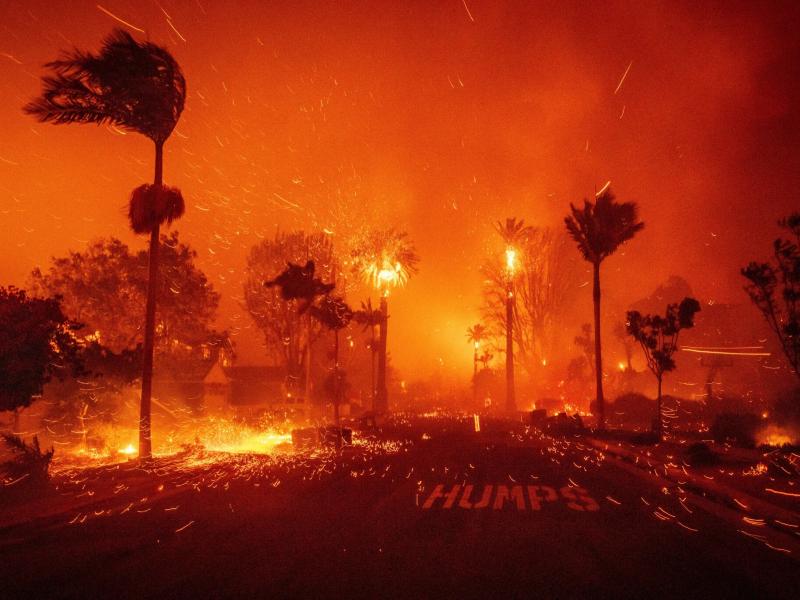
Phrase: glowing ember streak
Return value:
(792, 494)
(116, 18)
(624, 75)
(732, 351)
(179, 529)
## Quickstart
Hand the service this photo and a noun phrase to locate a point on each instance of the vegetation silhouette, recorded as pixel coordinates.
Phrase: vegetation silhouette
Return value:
(774, 287)
(599, 229)
(658, 338)
(513, 233)
(137, 86)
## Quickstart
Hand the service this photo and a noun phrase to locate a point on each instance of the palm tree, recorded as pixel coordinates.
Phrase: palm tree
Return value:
(599, 229)
(138, 87)
(335, 315)
(513, 232)
(475, 335)
(370, 318)
(385, 258)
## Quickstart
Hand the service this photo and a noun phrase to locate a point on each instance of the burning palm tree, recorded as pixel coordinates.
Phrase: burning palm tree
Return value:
(599, 229)
(385, 259)
(138, 87)
(513, 232)
(475, 335)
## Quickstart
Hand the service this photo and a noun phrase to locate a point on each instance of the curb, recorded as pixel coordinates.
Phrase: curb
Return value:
(776, 517)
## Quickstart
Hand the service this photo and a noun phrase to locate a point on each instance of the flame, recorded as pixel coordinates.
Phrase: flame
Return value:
(385, 275)
(511, 260)
(128, 450)
(776, 436)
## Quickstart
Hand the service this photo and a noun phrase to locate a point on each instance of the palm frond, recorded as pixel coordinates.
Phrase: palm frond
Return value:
(513, 231)
(135, 86)
(152, 205)
(600, 228)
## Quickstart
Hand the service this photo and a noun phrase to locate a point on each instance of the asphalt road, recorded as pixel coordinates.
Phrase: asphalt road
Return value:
(558, 521)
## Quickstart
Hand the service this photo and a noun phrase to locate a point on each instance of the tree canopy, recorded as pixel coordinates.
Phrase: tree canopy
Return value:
(658, 336)
(286, 333)
(38, 343)
(774, 287)
(135, 86)
(104, 288)
(601, 227)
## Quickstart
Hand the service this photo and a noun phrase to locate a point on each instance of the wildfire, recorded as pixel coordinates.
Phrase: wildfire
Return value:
(384, 275)
(511, 260)
(128, 450)
(776, 436)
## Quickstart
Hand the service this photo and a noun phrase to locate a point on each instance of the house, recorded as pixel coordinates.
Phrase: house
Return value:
(250, 390)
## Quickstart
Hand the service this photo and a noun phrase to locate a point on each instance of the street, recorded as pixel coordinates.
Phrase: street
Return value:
(305, 527)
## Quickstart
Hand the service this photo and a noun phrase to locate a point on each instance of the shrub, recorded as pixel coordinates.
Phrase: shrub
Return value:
(632, 409)
(736, 428)
(699, 454)
(786, 408)
(29, 460)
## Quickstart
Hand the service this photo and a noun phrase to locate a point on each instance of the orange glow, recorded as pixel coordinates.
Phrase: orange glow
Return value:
(129, 450)
(511, 261)
(318, 118)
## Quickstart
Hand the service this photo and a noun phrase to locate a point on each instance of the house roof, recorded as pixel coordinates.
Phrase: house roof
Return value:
(255, 374)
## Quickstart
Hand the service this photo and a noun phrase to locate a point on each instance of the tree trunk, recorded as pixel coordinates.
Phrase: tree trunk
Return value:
(712, 374)
(381, 393)
(82, 421)
(336, 390)
(598, 359)
(145, 436)
(475, 375)
(372, 351)
(511, 400)
(659, 416)
(308, 362)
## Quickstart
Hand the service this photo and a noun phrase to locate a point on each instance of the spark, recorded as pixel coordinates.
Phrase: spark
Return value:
(466, 8)
(772, 491)
(178, 33)
(179, 529)
(116, 18)
(603, 189)
(730, 352)
(10, 57)
(624, 75)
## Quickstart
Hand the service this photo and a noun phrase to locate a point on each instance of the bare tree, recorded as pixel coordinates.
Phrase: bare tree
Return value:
(549, 275)
(775, 289)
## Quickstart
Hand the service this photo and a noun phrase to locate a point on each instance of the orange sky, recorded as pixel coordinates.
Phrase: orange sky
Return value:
(429, 115)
